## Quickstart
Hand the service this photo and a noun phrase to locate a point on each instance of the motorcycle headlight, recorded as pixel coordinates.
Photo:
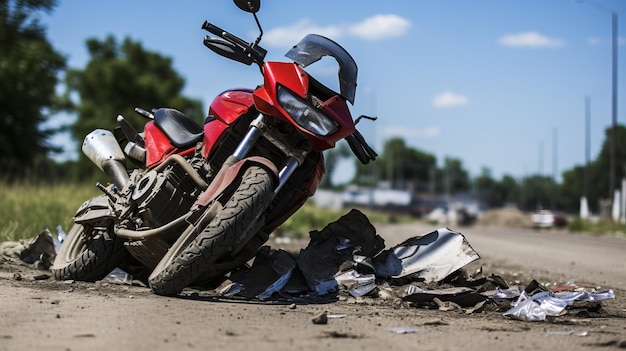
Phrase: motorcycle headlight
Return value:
(303, 113)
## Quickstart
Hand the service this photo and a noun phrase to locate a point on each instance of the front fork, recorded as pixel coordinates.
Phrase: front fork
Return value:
(259, 128)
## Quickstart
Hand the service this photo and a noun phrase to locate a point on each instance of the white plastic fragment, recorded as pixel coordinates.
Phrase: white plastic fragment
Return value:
(403, 330)
(546, 303)
(357, 284)
(568, 332)
(431, 257)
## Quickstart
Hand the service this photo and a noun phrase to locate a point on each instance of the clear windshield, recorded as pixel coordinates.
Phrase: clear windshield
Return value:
(313, 47)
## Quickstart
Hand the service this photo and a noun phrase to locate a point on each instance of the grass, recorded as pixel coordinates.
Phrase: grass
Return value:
(597, 227)
(27, 207)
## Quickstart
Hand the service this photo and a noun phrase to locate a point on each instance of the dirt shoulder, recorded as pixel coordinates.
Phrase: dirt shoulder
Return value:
(40, 313)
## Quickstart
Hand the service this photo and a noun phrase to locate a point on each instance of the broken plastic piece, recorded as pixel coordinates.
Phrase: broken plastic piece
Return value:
(510, 293)
(59, 239)
(334, 246)
(546, 303)
(429, 258)
(463, 297)
(40, 248)
(118, 276)
(269, 273)
(403, 330)
(568, 332)
(357, 284)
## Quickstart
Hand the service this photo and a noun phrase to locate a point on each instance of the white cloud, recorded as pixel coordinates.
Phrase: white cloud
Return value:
(288, 36)
(530, 40)
(380, 27)
(449, 99)
(372, 28)
(411, 133)
(595, 41)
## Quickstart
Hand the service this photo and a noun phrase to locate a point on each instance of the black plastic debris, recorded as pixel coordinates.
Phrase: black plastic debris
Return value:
(333, 249)
(269, 273)
(462, 296)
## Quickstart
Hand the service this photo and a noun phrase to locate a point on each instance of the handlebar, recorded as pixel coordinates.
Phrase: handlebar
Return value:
(211, 28)
(257, 52)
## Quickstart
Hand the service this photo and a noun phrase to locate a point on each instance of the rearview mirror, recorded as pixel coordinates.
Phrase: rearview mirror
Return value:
(251, 6)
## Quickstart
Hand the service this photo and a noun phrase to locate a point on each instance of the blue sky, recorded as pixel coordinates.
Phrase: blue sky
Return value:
(496, 83)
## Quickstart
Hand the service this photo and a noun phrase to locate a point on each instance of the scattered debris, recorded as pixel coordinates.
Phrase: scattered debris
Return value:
(269, 273)
(568, 332)
(321, 318)
(403, 330)
(348, 260)
(41, 277)
(119, 276)
(38, 251)
(334, 247)
(546, 303)
(429, 258)
(461, 296)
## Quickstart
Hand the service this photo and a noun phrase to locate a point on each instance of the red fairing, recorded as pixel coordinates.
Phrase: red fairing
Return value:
(231, 104)
(226, 108)
(212, 134)
(320, 171)
(159, 147)
(292, 77)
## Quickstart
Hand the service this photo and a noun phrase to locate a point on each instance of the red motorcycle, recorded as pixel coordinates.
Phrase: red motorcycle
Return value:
(210, 196)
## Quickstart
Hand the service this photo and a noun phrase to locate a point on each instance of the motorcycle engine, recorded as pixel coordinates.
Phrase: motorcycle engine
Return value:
(164, 196)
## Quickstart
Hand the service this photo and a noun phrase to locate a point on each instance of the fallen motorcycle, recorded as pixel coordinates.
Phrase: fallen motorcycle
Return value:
(208, 197)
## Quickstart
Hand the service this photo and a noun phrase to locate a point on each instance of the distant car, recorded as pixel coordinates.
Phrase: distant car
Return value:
(549, 219)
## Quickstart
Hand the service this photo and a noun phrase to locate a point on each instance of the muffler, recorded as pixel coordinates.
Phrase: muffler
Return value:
(101, 147)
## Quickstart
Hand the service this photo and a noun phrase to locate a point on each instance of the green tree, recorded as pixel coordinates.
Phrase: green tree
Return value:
(29, 67)
(510, 189)
(118, 78)
(405, 167)
(599, 169)
(537, 192)
(496, 193)
(573, 186)
(454, 178)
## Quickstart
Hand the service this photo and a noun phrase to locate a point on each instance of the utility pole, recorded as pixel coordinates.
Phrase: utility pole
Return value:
(614, 39)
(612, 162)
(555, 165)
(587, 142)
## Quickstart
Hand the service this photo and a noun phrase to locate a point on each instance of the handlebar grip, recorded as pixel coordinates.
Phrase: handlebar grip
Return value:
(211, 28)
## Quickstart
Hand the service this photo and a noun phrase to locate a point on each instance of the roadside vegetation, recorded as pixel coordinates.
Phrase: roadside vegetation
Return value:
(597, 227)
(28, 206)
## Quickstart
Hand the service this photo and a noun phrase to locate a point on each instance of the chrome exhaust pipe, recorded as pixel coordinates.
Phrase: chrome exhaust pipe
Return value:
(101, 147)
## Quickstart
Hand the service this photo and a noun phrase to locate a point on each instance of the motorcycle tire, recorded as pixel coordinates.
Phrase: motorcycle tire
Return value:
(192, 259)
(84, 259)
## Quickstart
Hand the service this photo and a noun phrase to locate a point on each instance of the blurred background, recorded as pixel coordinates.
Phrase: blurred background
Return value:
(482, 105)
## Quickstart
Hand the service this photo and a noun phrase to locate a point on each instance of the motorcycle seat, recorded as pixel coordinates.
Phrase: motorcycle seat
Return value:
(182, 131)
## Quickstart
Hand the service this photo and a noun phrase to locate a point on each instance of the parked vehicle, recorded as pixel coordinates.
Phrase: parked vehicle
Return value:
(548, 219)
(208, 197)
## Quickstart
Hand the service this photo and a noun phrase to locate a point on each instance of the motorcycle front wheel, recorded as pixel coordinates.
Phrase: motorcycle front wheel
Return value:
(88, 258)
(196, 254)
